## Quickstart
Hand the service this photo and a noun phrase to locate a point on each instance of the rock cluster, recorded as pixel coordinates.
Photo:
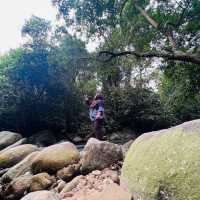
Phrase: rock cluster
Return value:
(59, 171)
(162, 165)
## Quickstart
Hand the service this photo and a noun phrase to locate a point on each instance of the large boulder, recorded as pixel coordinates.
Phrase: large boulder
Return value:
(19, 142)
(19, 169)
(99, 155)
(55, 157)
(41, 195)
(122, 136)
(43, 138)
(7, 138)
(14, 155)
(165, 164)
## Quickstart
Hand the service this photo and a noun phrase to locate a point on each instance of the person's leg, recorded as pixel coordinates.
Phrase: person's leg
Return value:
(98, 129)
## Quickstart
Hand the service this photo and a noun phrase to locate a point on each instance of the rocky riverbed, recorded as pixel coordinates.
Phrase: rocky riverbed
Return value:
(162, 165)
(60, 171)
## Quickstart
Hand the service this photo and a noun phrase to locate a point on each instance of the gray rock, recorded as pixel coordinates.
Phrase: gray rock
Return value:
(43, 138)
(122, 136)
(77, 139)
(8, 138)
(55, 157)
(67, 173)
(20, 142)
(14, 155)
(18, 187)
(19, 169)
(98, 155)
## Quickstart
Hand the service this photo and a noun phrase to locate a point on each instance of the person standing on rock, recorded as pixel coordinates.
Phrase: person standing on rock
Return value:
(96, 113)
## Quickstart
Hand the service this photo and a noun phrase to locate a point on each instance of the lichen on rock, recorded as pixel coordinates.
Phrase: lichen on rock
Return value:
(165, 164)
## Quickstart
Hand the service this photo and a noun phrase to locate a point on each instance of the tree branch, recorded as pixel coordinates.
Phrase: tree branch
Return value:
(177, 56)
(155, 24)
(148, 18)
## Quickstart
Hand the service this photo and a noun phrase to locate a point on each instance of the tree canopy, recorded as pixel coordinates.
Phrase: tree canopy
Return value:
(166, 29)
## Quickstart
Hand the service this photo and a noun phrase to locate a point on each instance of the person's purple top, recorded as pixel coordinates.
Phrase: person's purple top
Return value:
(96, 107)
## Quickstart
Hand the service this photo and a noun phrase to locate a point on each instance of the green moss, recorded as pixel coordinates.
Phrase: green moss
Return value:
(164, 166)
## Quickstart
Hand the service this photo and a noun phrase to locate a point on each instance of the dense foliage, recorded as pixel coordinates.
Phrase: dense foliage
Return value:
(148, 29)
(148, 68)
(157, 28)
(38, 88)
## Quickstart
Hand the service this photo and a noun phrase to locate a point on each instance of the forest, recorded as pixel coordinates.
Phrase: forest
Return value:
(104, 104)
(147, 65)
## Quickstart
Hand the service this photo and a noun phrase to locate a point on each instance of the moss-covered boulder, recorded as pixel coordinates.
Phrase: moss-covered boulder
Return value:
(165, 164)
(14, 155)
(55, 157)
